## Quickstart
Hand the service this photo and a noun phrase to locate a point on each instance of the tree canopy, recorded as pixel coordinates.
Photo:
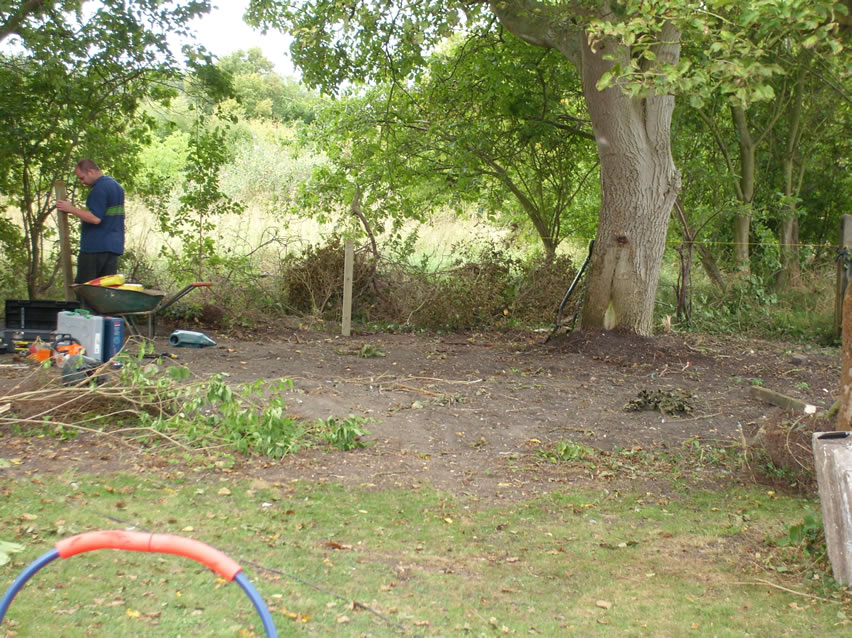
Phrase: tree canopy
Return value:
(504, 134)
(629, 58)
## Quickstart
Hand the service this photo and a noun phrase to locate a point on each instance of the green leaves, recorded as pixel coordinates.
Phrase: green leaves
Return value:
(72, 89)
(344, 434)
(736, 48)
(7, 549)
(493, 123)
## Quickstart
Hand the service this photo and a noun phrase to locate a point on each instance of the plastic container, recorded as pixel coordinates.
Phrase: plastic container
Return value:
(191, 339)
(113, 336)
(86, 328)
(38, 314)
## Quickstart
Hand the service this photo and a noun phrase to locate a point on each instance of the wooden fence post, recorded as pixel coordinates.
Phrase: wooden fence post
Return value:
(844, 413)
(348, 267)
(842, 278)
(64, 242)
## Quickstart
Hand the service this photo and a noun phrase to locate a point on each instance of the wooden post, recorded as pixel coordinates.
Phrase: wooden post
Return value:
(844, 413)
(64, 242)
(842, 279)
(348, 267)
(833, 465)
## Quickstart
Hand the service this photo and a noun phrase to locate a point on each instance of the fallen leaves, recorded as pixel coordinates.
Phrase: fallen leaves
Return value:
(296, 616)
(7, 548)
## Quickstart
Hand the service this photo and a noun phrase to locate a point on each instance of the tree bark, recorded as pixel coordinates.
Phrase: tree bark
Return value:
(745, 190)
(790, 274)
(639, 182)
(708, 261)
(639, 185)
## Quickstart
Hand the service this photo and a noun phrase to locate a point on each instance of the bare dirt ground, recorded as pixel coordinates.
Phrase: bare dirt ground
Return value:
(471, 413)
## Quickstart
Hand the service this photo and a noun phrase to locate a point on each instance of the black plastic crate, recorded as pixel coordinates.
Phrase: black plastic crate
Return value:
(38, 314)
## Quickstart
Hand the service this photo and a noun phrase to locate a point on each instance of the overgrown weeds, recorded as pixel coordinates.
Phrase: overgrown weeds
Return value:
(754, 306)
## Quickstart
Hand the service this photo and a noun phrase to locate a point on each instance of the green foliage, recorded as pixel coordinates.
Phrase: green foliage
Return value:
(201, 203)
(344, 434)
(807, 536)
(269, 163)
(751, 306)
(496, 125)
(736, 49)
(162, 161)
(369, 351)
(263, 94)
(73, 88)
(12, 260)
(248, 419)
(335, 42)
(567, 451)
(7, 549)
(717, 55)
(472, 293)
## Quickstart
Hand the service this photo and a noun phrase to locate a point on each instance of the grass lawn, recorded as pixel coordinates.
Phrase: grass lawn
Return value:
(335, 561)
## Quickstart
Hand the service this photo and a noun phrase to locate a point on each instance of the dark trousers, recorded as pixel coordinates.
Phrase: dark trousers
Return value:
(93, 265)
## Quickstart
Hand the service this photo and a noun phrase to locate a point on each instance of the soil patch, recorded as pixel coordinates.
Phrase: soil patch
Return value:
(470, 413)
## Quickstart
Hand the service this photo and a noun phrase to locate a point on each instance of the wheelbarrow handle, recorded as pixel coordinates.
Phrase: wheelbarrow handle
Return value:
(198, 284)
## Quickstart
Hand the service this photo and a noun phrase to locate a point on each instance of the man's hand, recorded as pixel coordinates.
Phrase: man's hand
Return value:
(85, 215)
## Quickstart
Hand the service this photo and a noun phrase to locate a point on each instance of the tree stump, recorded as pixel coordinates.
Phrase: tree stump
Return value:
(833, 465)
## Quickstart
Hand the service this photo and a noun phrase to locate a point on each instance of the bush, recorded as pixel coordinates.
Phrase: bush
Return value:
(312, 281)
(484, 287)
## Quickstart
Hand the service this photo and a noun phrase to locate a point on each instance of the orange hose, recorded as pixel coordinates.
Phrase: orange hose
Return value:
(226, 567)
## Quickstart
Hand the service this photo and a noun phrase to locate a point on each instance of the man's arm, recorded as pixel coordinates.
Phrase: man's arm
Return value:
(84, 214)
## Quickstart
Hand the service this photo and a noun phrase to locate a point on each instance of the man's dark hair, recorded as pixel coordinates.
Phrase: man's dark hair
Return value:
(87, 165)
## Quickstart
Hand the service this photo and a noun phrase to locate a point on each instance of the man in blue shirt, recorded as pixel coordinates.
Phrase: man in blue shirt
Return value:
(102, 223)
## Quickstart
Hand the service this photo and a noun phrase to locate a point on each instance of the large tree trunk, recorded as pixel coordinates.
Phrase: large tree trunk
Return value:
(639, 184)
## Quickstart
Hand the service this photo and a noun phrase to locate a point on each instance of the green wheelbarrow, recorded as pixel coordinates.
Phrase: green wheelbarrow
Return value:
(129, 304)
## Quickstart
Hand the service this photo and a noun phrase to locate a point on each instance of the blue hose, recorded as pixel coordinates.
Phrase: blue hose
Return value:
(259, 605)
(53, 554)
(23, 578)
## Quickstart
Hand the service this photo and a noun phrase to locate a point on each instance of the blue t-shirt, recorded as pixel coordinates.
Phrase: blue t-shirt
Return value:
(105, 201)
